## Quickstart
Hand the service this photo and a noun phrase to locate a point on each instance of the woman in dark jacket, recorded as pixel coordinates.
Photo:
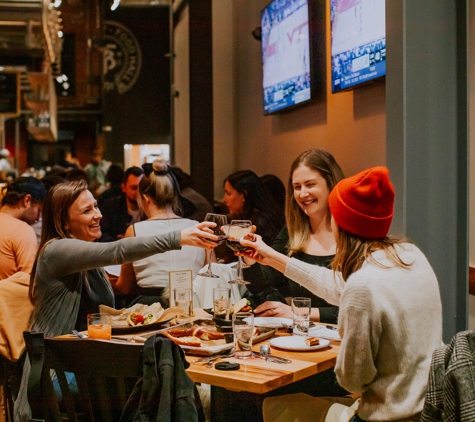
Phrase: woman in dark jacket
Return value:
(248, 199)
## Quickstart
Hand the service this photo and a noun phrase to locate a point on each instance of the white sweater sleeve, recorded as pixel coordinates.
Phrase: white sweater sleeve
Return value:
(321, 281)
(355, 367)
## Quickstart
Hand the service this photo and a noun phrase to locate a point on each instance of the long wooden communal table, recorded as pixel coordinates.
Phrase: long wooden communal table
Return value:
(238, 395)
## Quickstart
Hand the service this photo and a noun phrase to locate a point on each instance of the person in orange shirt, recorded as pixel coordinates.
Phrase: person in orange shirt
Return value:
(22, 204)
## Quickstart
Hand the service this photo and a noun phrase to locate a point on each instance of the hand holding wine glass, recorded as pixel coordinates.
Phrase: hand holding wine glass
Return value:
(201, 235)
(220, 221)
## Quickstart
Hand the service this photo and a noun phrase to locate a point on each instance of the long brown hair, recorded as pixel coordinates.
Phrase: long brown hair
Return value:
(298, 223)
(55, 217)
(352, 251)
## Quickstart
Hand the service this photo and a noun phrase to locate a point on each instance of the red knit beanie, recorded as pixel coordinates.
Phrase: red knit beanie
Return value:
(364, 204)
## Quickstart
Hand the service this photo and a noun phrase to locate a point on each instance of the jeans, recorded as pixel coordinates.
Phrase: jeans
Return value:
(71, 379)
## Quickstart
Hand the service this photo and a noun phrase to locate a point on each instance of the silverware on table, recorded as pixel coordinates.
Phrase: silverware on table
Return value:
(79, 335)
(273, 359)
(265, 354)
(207, 359)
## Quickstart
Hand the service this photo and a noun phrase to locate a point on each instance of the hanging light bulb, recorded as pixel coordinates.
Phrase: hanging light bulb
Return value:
(57, 3)
(115, 4)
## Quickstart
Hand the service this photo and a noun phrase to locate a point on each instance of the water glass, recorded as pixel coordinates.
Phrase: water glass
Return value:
(221, 302)
(99, 326)
(301, 308)
(243, 328)
(183, 300)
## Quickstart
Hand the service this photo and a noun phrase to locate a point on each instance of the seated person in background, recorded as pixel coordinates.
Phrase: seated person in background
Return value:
(75, 174)
(202, 206)
(307, 236)
(276, 188)
(5, 165)
(390, 317)
(247, 199)
(22, 203)
(68, 281)
(158, 198)
(115, 177)
(96, 172)
(68, 161)
(120, 212)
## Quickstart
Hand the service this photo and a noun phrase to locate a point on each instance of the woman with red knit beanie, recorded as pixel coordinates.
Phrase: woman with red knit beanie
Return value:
(390, 317)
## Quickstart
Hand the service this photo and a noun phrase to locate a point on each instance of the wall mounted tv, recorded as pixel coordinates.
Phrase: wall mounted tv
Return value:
(358, 42)
(286, 54)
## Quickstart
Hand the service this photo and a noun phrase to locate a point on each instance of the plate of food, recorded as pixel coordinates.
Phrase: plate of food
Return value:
(201, 337)
(299, 343)
(273, 322)
(139, 317)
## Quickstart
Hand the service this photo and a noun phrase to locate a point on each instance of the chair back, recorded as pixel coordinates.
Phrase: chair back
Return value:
(105, 375)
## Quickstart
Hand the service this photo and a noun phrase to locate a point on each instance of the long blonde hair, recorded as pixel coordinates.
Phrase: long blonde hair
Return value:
(298, 223)
(55, 217)
(352, 251)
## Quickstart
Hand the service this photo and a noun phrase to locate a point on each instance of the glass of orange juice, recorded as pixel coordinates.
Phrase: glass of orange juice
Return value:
(99, 326)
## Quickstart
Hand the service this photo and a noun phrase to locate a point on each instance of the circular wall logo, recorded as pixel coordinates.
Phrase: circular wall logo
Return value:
(122, 58)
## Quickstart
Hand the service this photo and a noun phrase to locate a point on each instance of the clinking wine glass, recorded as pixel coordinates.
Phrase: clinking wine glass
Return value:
(236, 231)
(220, 220)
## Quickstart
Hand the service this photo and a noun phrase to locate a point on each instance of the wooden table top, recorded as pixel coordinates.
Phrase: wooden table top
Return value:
(256, 375)
(259, 376)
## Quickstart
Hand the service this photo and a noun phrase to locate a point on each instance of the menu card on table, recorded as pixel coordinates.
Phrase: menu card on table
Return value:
(180, 280)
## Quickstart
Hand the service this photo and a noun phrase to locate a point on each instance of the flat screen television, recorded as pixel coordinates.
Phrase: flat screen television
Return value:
(358, 42)
(286, 54)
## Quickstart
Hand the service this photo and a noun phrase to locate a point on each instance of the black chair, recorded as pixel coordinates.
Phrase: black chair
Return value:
(105, 374)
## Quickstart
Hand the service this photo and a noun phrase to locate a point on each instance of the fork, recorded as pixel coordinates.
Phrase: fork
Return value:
(208, 358)
(211, 361)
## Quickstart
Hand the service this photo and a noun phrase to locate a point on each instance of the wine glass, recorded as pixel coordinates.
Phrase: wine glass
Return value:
(235, 231)
(220, 220)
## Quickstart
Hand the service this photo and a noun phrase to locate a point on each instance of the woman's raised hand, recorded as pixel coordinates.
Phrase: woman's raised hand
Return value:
(256, 249)
(262, 253)
(199, 235)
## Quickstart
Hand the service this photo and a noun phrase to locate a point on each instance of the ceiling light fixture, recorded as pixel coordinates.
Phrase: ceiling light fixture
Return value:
(57, 3)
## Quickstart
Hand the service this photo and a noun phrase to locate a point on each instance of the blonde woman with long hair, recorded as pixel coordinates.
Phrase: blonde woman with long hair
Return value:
(307, 235)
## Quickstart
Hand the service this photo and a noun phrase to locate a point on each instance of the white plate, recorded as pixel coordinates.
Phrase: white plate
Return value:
(272, 322)
(297, 343)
